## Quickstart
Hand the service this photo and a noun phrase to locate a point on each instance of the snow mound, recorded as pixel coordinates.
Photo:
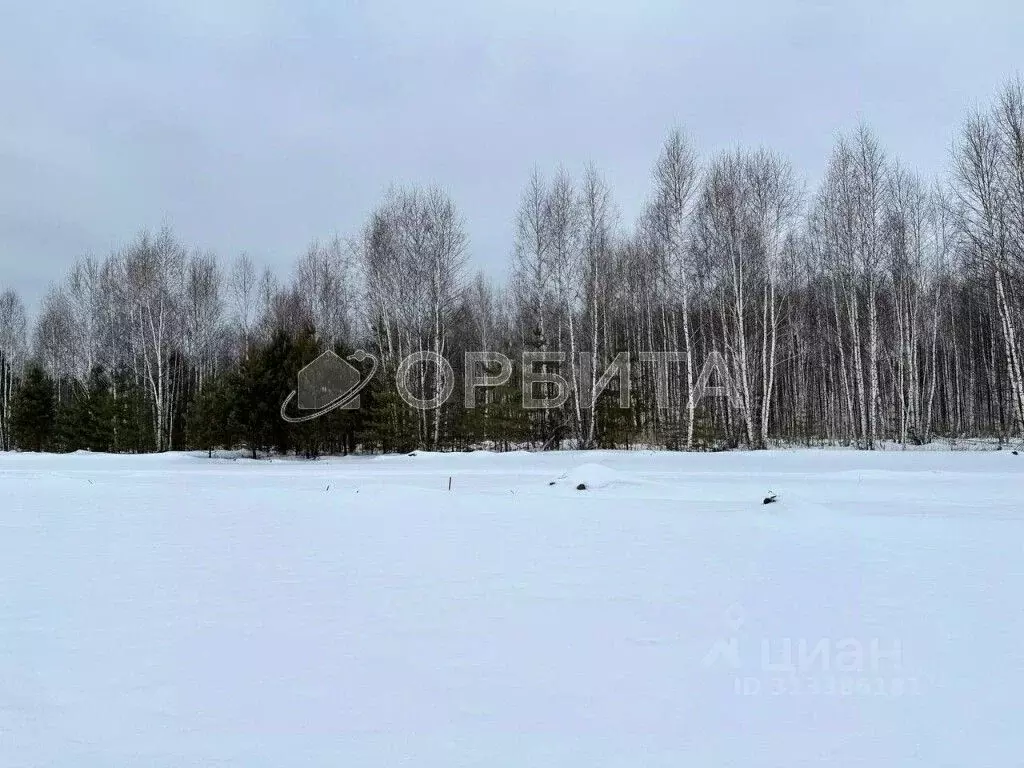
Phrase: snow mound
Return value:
(234, 454)
(594, 476)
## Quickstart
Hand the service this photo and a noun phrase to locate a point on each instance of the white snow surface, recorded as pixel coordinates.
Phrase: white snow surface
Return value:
(174, 610)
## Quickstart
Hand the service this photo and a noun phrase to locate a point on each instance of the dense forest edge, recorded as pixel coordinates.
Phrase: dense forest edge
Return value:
(880, 306)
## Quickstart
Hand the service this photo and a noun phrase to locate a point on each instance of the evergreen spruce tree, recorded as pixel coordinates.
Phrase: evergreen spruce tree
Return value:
(337, 432)
(498, 420)
(132, 416)
(389, 424)
(211, 421)
(308, 437)
(98, 430)
(86, 418)
(34, 411)
(509, 424)
(264, 381)
(345, 424)
(67, 433)
(614, 424)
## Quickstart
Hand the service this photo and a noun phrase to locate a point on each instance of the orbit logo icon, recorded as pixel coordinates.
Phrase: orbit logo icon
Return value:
(328, 383)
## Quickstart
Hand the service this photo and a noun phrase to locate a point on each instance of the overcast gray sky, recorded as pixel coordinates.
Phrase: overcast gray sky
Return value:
(258, 125)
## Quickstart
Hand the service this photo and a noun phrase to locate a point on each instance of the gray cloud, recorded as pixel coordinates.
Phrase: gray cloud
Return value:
(258, 125)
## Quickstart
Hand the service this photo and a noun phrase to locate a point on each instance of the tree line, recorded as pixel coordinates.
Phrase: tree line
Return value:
(880, 305)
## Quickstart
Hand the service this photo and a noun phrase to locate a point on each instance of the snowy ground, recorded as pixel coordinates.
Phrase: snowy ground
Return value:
(177, 611)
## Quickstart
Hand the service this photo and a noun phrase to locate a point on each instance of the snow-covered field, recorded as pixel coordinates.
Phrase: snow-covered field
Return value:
(177, 611)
